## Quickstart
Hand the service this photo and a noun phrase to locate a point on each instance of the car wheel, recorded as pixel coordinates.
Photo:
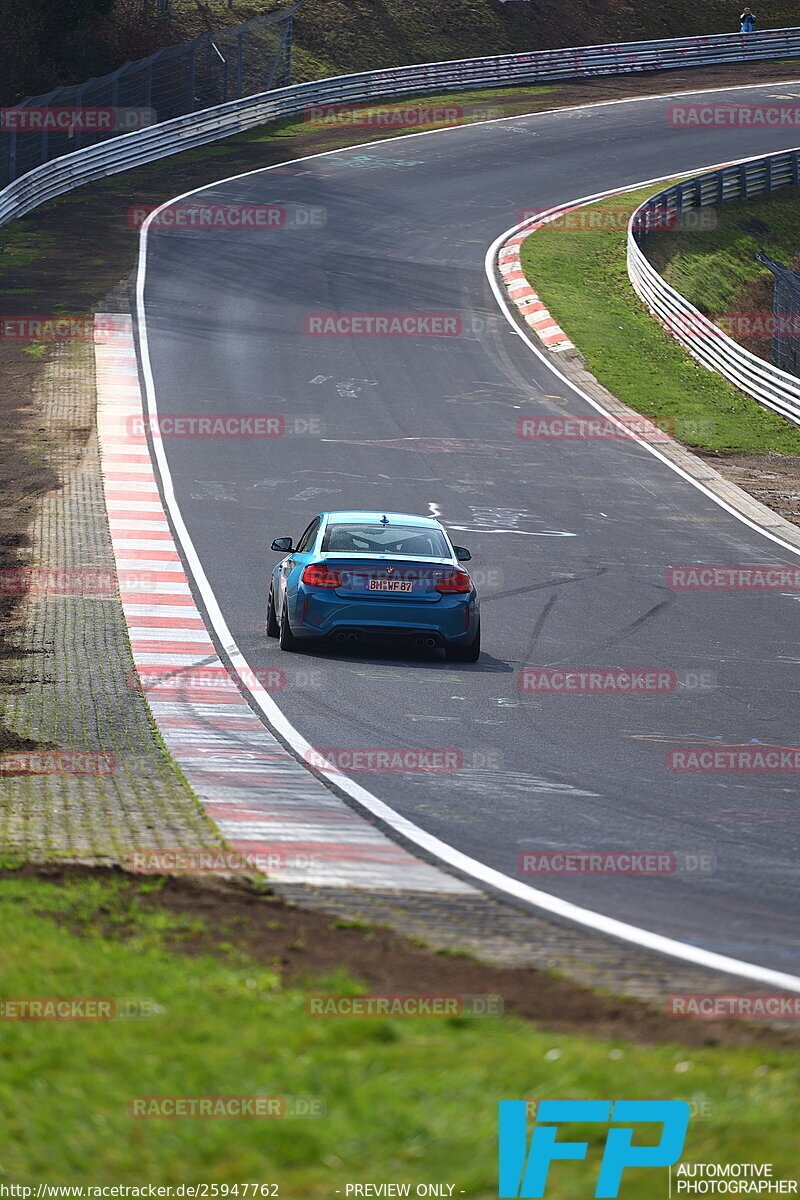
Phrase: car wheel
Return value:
(271, 628)
(287, 639)
(469, 653)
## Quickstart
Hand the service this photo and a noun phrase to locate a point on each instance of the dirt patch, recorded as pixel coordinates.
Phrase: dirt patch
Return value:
(306, 945)
(774, 479)
(25, 474)
(10, 741)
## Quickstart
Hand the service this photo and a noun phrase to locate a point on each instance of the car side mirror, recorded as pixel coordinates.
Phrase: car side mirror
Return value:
(282, 545)
(462, 553)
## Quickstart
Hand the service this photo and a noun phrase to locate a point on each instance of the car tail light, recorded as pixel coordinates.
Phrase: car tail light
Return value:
(318, 575)
(456, 581)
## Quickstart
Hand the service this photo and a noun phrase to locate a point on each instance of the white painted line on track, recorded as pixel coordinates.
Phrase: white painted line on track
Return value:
(470, 868)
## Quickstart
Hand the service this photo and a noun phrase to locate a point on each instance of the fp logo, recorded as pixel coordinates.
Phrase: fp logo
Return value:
(524, 1173)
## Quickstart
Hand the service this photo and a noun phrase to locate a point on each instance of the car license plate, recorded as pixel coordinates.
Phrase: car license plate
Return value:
(389, 585)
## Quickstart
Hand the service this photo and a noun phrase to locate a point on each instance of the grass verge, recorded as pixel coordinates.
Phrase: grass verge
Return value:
(578, 268)
(405, 1099)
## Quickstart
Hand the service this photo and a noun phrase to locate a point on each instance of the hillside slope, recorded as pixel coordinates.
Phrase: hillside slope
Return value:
(357, 35)
(338, 36)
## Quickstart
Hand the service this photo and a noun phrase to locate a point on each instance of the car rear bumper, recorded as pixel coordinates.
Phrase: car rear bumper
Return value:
(451, 619)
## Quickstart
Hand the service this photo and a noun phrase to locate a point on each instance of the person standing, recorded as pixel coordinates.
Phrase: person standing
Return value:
(747, 22)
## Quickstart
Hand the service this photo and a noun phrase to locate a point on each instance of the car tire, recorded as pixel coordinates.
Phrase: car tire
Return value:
(271, 627)
(287, 640)
(469, 653)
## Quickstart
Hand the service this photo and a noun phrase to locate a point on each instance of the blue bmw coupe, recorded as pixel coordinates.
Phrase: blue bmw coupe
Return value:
(385, 576)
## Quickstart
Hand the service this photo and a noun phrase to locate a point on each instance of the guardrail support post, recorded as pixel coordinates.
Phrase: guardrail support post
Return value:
(286, 76)
(190, 81)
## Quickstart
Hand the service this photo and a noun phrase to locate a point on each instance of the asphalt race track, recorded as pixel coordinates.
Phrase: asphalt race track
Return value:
(571, 540)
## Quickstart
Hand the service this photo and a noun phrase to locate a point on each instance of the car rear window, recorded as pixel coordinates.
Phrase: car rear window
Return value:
(414, 540)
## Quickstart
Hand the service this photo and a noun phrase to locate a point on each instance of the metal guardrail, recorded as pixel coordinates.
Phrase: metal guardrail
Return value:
(117, 154)
(710, 345)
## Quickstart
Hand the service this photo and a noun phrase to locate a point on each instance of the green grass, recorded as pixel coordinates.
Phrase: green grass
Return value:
(712, 268)
(581, 276)
(405, 1099)
(480, 104)
(20, 246)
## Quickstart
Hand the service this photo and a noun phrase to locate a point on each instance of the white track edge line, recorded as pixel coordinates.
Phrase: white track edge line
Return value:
(448, 855)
